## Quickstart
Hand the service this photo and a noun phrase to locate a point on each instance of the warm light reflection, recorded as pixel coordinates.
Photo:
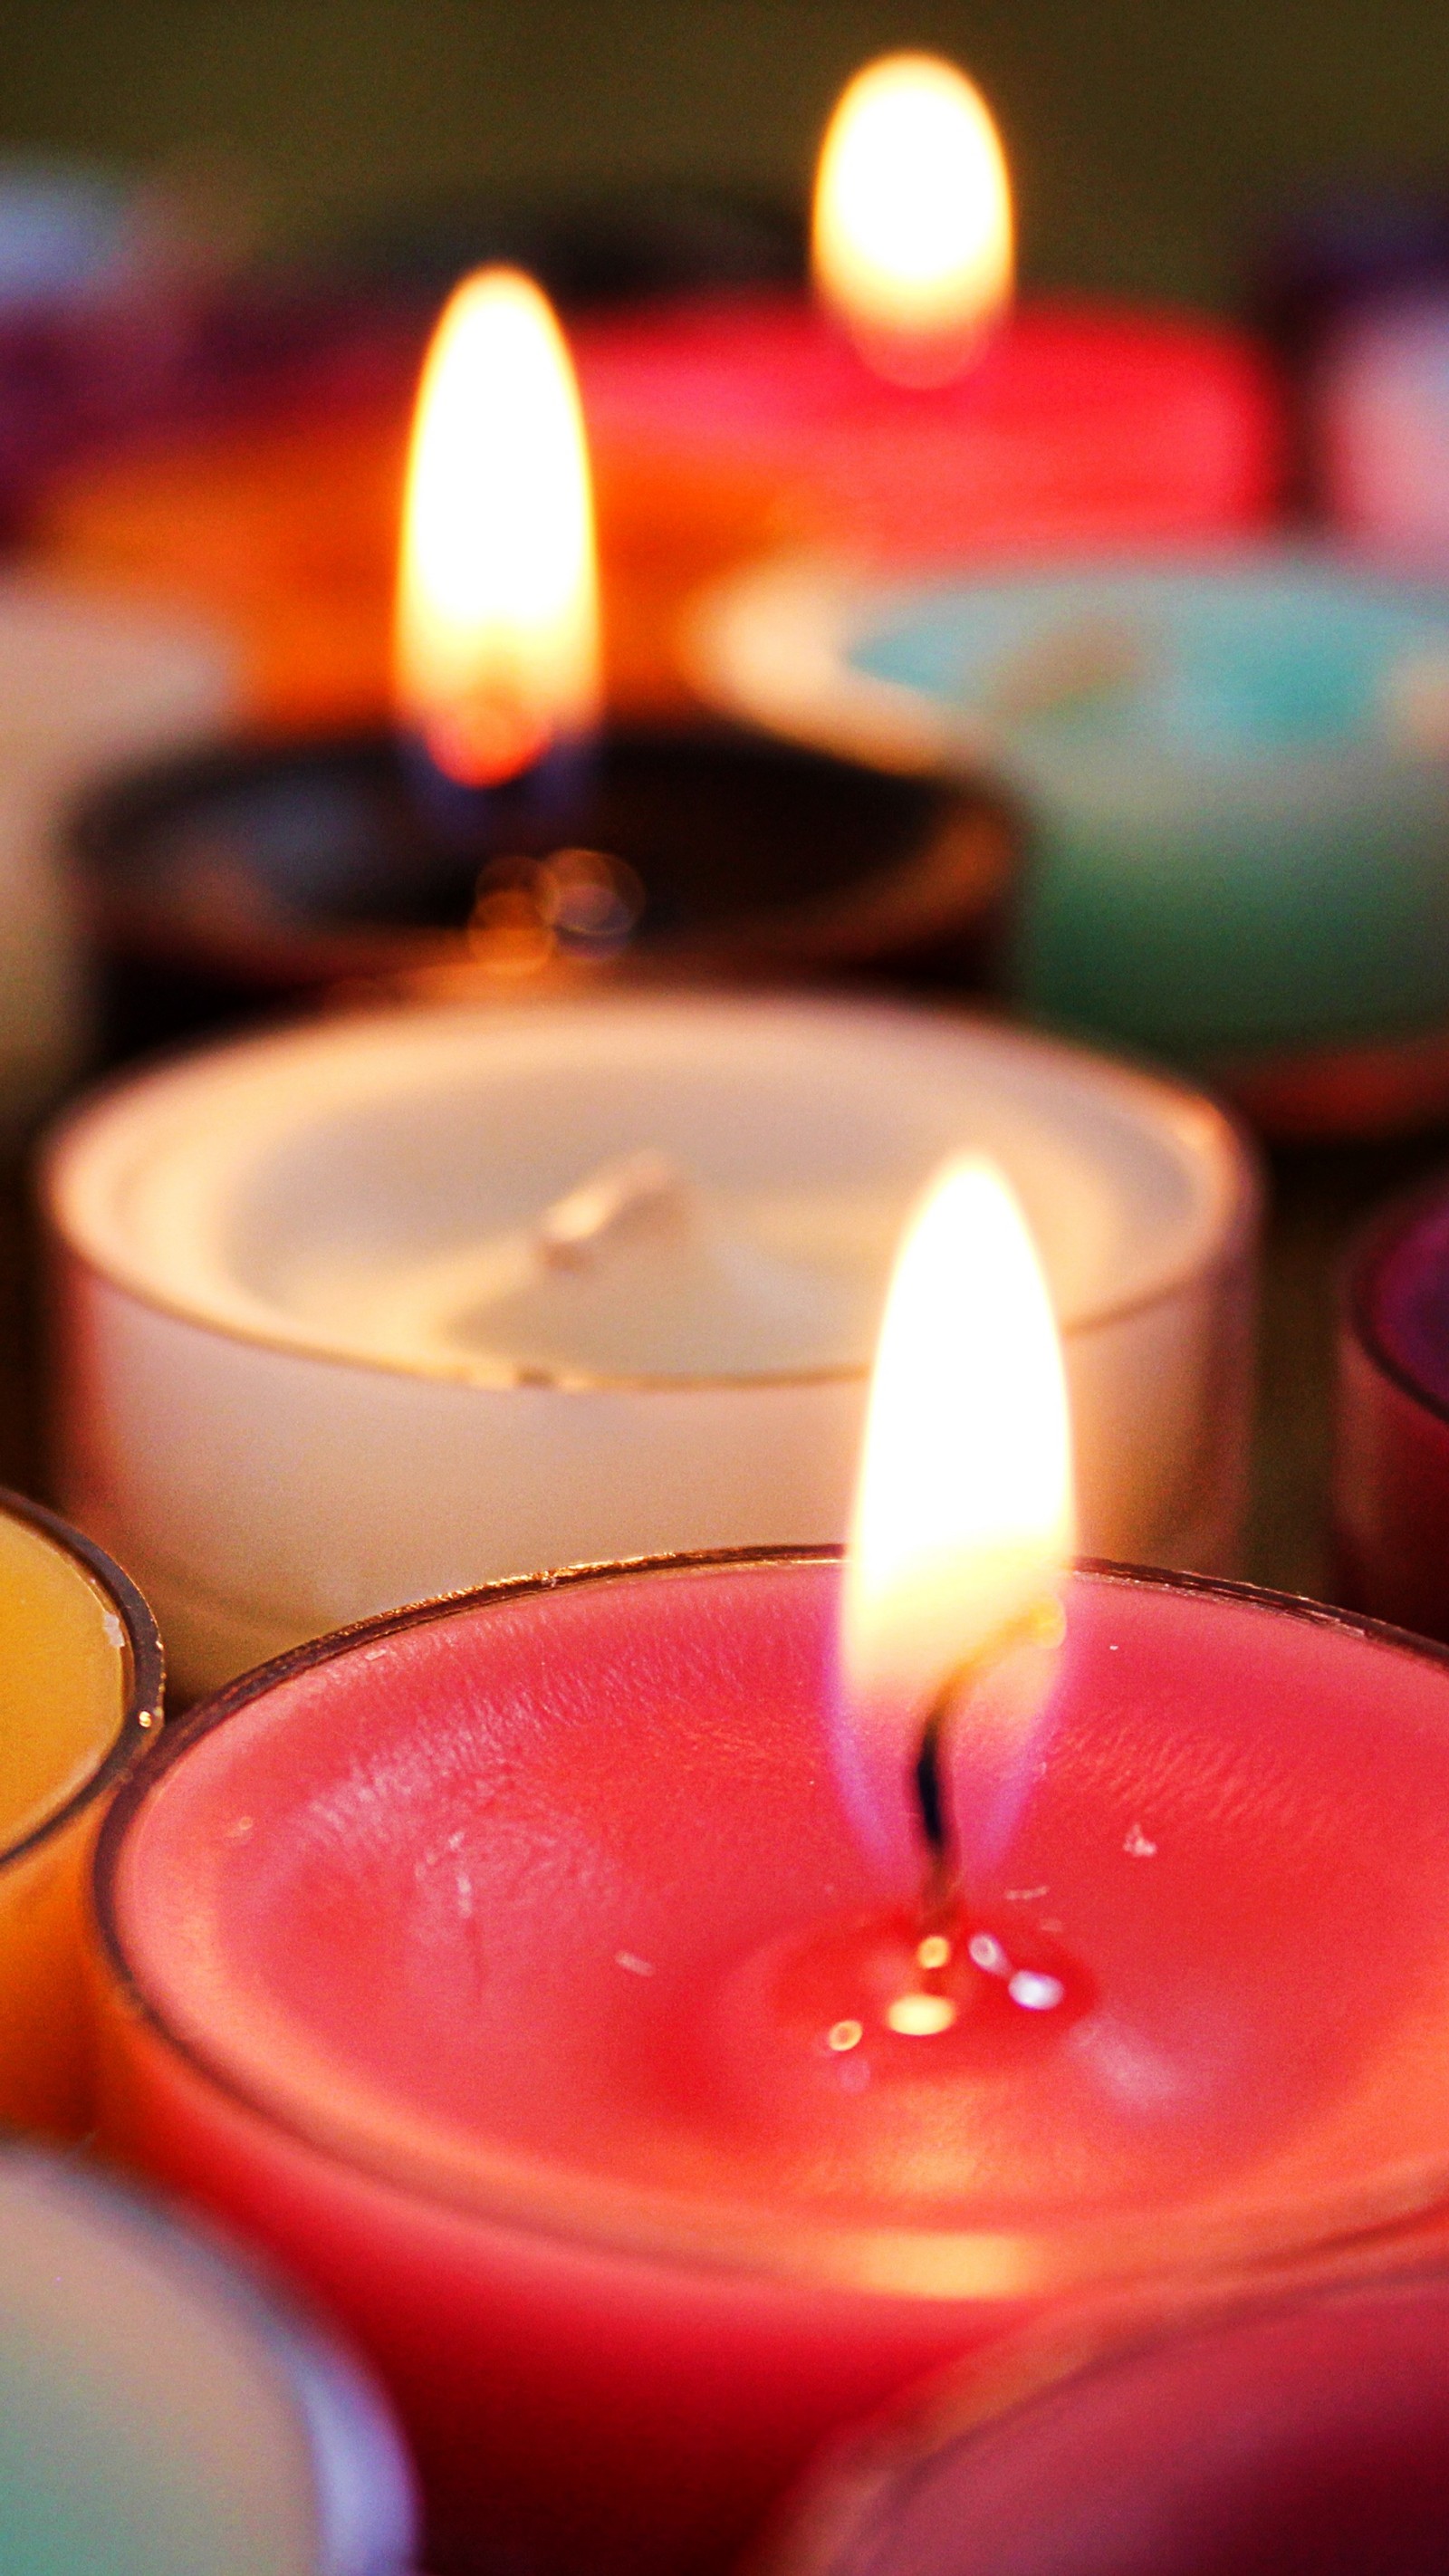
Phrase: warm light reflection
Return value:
(913, 231)
(497, 643)
(963, 1515)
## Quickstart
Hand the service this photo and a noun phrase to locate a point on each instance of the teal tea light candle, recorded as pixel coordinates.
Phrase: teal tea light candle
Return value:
(1237, 776)
(162, 2415)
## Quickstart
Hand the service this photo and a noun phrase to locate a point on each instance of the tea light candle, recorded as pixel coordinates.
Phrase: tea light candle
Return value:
(1381, 428)
(498, 837)
(1236, 774)
(80, 1690)
(85, 684)
(502, 1967)
(1391, 1470)
(322, 1352)
(161, 2414)
(1318, 2424)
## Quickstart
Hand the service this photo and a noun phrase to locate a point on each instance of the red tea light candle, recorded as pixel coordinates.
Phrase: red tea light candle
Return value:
(80, 1692)
(550, 1976)
(1319, 2434)
(1391, 1472)
(903, 414)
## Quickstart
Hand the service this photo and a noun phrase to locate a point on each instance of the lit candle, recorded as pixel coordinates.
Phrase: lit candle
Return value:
(723, 423)
(904, 415)
(80, 1690)
(1292, 2429)
(492, 839)
(1235, 782)
(162, 2414)
(285, 1415)
(516, 1965)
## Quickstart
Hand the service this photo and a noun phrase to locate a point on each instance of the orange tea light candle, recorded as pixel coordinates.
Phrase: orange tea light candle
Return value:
(80, 1691)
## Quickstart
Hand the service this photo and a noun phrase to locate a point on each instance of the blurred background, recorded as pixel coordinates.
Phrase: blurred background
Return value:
(1147, 142)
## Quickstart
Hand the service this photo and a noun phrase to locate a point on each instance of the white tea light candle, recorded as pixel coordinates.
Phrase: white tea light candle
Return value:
(379, 1308)
(87, 684)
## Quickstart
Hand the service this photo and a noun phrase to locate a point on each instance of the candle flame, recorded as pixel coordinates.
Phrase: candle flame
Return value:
(497, 637)
(964, 1517)
(913, 229)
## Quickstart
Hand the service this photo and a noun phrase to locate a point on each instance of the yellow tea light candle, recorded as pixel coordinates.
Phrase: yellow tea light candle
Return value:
(80, 1690)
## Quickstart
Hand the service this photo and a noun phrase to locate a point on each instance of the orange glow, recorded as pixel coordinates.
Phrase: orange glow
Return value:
(964, 1513)
(497, 637)
(913, 231)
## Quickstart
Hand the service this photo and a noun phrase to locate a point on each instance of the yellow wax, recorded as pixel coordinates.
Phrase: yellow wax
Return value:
(65, 1683)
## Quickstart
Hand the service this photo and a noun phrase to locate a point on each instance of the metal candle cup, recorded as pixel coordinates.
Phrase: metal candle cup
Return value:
(511, 1967)
(1317, 2405)
(268, 875)
(295, 1385)
(162, 2413)
(1391, 1468)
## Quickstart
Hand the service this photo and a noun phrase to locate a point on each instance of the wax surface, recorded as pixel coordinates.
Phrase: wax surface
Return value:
(157, 2419)
(548, 1912)
(1239, 820)
(1291, 2442)
(505, 1813)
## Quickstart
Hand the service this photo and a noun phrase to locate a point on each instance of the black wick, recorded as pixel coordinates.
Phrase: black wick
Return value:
(1040, 1626)
(932, 1805)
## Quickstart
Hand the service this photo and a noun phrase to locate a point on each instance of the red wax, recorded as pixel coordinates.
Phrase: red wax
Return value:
(1079, 424)
(513, 1971)
(1391, 1470)
(1303, 2437)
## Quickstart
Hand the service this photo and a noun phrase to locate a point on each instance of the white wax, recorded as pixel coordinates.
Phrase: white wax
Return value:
(321, 1361)
(86, 686)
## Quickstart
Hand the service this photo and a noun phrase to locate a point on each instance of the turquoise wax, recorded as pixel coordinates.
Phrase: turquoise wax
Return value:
(1236, 779)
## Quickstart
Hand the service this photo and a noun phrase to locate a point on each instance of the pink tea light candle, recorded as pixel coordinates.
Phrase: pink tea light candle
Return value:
(667, 2008)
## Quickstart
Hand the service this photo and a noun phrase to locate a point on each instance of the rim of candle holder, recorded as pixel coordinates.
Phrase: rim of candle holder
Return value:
(145, 1674)
(830, 2507)
(347, 2426)
(1359, 1270)
(498, 2190)
(1234, 1153)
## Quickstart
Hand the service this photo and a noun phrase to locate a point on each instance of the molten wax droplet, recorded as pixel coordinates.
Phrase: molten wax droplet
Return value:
(874, 2002)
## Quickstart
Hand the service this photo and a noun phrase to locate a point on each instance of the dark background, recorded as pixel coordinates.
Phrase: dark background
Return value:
(1148, 136)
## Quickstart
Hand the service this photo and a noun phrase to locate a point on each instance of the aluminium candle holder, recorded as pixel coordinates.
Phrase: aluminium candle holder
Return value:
(163, 2412)
(1233, 776)
(629, 2231)
(300, 1377)
(254, 879)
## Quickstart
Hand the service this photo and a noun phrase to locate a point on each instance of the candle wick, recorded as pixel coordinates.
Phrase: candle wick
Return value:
(639, 1192)
(1042, 1625)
